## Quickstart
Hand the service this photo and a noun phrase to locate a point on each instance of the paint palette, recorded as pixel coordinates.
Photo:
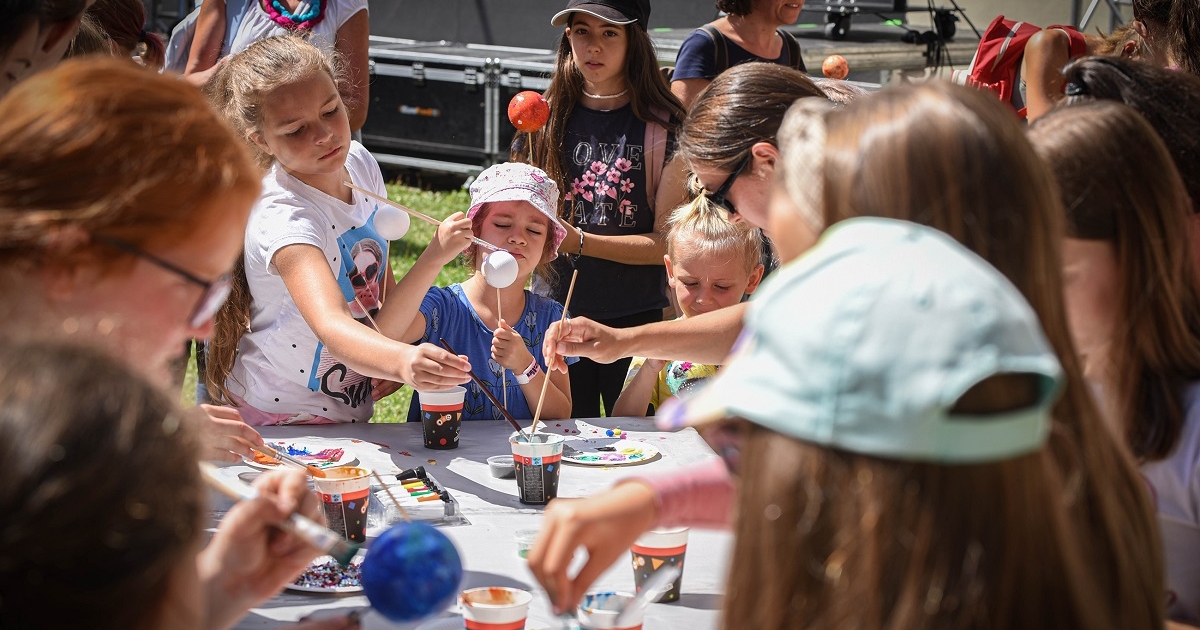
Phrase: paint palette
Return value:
(318, 454)
(325, 576)
(608, 451)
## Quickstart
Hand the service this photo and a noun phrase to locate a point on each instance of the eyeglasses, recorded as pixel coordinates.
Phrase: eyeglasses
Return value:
(719, 197)
(211, 300)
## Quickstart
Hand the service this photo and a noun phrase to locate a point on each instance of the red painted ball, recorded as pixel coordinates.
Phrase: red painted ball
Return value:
(528, 111)
(835, 67)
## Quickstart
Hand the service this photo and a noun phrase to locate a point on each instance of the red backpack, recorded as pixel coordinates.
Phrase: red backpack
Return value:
(998, 57)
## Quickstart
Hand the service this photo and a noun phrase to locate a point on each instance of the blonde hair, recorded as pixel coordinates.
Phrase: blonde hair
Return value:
(701, 227)
(241, 87)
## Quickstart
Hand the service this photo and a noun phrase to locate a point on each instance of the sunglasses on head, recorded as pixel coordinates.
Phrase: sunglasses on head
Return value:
(720, 196)
(211, 299)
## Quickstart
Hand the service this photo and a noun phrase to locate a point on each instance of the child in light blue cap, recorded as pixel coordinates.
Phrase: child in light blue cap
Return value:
(893, 396)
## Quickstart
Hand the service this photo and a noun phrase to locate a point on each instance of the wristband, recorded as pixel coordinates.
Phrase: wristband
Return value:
(581, 233)
(524, 377)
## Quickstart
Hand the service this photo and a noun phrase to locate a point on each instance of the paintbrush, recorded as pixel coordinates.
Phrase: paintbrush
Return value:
(280, 456)
(304, 528)
(424, 217)
(490, 395)
(542, 398)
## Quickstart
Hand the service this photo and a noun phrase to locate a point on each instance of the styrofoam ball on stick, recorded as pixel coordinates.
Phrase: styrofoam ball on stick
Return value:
(528, 111)
(835, 67)
(411, 572)
(500, 269)
(391, 222)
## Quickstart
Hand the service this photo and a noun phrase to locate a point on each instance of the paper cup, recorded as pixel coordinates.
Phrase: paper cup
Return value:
(441, 417)
(538, 466)
(656, 549)
(599, 610)
(494, 608)
(345, 494)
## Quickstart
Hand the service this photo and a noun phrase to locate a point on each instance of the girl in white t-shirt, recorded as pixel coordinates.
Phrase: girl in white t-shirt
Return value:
(297, 343)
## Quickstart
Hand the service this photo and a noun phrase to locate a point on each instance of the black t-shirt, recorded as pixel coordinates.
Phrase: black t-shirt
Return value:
(605, 193)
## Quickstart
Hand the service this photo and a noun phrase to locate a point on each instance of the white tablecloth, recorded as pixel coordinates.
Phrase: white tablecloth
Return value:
(486, 544)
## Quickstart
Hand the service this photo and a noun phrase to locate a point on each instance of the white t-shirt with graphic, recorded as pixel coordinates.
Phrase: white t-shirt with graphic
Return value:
(281, 366)
(1175, 485)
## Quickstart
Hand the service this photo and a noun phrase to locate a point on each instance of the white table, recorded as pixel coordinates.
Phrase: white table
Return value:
(486, 545)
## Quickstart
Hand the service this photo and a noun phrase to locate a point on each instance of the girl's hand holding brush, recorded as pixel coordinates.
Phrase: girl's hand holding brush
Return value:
(250, 559)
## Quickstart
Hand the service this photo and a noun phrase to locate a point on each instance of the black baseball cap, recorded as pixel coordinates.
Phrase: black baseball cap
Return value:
(621, 12)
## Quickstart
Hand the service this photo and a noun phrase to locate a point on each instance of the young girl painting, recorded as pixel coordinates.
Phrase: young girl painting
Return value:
(607, 148)
(296, 343)
(711, 264)
(513, 206)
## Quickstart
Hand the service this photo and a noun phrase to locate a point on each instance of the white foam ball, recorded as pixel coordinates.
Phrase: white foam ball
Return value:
(391, 222)
(500, 269)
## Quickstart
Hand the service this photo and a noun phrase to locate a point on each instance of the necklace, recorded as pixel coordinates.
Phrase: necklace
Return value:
(306, 15)
(603, 96)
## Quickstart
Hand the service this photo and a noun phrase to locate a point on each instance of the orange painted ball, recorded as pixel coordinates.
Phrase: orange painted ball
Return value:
(528, 111)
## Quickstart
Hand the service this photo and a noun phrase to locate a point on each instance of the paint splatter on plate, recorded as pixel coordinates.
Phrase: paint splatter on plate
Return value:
(326, 576)
(312, 453)
(607, 451)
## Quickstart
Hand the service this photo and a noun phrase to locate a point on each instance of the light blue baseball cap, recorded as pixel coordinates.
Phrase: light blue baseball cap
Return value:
(868, 341)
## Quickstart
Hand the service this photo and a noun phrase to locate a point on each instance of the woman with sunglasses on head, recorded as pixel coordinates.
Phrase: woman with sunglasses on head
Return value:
(135, 258)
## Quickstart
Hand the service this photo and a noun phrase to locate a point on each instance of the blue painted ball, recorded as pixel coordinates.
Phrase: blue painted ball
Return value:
(411, 572)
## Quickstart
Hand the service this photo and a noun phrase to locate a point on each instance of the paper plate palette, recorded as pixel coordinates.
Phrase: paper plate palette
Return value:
(608, 451)
(327, 577)
(312, 453)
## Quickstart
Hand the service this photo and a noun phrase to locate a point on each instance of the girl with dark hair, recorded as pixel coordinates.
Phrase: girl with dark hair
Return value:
(1134, 306)
(608, 147)
(125, 23)
(749, 31)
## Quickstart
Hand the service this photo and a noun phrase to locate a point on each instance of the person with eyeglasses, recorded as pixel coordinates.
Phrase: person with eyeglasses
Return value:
(111, 236)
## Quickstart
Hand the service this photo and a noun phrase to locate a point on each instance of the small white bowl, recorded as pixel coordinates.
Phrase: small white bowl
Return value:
(502, 466)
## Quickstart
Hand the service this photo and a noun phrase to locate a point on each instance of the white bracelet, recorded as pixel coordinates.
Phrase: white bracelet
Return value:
(527, 375)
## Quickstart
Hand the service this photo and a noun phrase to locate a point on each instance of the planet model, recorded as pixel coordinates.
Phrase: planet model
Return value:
(411, 572)
(391, 222)
(835, 67)
(500, 269)
(528, 111)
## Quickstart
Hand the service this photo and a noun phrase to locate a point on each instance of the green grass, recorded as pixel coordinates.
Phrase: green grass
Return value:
(404, 254)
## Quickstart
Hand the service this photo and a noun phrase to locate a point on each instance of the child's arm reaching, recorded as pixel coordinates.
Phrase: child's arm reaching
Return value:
(401, 318)
(306, 274)
(639, 390)
(509, 350)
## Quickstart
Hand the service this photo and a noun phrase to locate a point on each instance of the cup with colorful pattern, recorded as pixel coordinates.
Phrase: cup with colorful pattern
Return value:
(441, 417)
(654, 550)
(345, 494)
(494, 608)
(538, 461)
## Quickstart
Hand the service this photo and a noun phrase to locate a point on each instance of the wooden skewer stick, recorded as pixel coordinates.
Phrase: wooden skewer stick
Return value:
(391, 496)
(423, 217)
(503, 371)
(542, 397)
